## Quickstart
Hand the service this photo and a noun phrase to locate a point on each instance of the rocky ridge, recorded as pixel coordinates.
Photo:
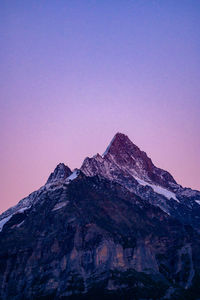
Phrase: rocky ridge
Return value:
(117, 228)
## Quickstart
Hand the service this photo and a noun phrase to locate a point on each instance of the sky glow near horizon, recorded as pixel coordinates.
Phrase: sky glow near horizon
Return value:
(73, 73)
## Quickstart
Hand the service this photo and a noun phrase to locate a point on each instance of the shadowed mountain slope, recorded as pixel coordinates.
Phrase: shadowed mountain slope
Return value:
(118, 228)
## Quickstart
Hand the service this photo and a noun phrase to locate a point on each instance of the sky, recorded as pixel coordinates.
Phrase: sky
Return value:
(73, 73)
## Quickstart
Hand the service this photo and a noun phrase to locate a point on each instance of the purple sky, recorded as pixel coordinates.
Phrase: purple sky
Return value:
(73, 73)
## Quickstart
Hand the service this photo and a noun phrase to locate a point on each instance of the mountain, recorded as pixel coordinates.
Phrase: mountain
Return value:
(117, 228)
(124, 163)
(60, 173)
(128, 157)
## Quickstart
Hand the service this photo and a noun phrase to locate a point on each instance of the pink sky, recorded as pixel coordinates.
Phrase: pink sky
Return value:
(74, 74)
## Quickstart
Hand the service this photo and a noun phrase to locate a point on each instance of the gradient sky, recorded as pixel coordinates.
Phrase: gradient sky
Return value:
(73, 73)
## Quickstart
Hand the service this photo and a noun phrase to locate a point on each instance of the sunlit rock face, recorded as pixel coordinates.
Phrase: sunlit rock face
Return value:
(124, 163)
(123, 156)
(111, 230)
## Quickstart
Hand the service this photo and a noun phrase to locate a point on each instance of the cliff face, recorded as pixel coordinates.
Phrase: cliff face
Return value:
(122, 157)
(92, 237)
(124, 163)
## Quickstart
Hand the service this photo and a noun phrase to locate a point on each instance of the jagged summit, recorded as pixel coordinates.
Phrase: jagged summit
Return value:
(116, 136)
(126, 152)
(61, 172)
(118, 143)
(124, 157)
(125, 232)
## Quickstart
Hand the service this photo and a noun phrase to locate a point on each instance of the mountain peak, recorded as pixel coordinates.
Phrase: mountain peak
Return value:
(122, 145)
(120, 135)
(61, 172)
(123, 156)
(115, 225)
(118, 139)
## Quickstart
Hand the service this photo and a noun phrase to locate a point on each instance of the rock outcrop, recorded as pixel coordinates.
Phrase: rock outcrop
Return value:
(118, 228)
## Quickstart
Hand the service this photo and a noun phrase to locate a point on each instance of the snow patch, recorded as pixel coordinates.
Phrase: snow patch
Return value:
(21, 210)
(107, 149)
(60, 205)
(18, 225)
(74, 175)
(164, 209)
(158, 189)
(5, 220)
